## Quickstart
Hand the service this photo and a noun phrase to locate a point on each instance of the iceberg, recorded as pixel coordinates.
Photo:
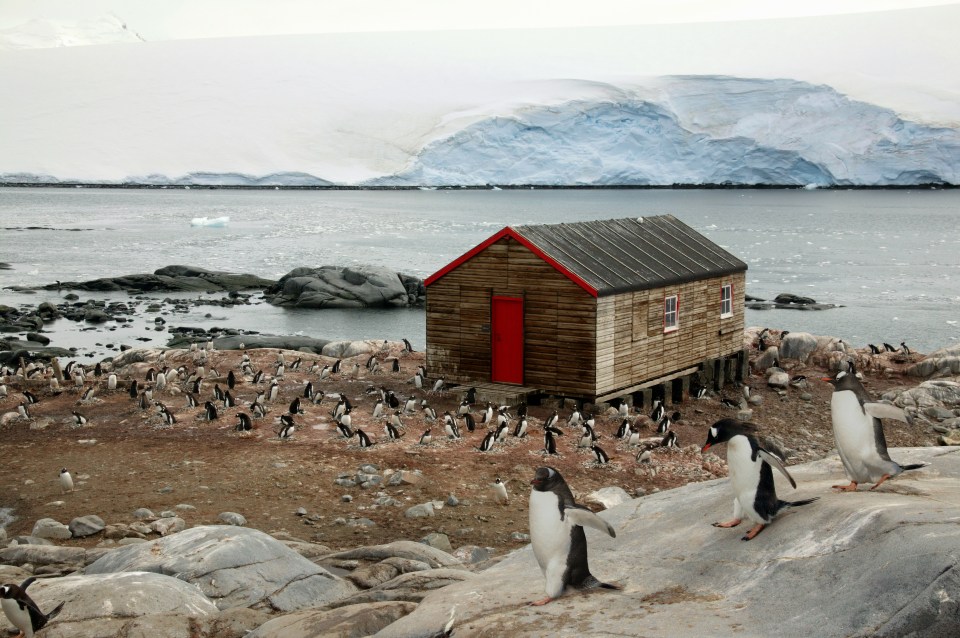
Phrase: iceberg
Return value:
(210, 221)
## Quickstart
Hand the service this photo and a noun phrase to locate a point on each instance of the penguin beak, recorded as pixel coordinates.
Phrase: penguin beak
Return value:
(827, 379)
(705, 447)
(535, 481)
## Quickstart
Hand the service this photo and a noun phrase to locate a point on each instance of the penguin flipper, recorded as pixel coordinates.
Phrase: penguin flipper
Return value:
(885, 411)
(586, 518)
(777, 463)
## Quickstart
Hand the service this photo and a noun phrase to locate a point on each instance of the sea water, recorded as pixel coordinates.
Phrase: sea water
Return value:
(890, 258)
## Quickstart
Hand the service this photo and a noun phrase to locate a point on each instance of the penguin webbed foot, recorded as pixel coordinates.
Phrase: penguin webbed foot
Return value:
(849, 488)
(731, 523)
(756, 529)
(541, 602)
(881, 481)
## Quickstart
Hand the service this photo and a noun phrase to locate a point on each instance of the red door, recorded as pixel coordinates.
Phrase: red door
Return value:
(507, 337)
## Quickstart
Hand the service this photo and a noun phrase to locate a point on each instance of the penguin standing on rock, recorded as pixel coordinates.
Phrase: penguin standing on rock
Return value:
(751, 476)
(22, 612)
(556, 533)
(859, 433)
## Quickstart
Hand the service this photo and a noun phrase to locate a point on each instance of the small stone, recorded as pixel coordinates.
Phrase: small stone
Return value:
(472, 554)
(302, 511)
(420, 511)
(184, 507)
(83, 526)
(165, 489)
(345, 482)
(143, 513)
(520, 536)
(950, 438)
(51, 529)
(438, 541)
(339, 521)
(452, 501)
(369, 469)
(346, 498)
(360, 522)
(232, 518)
(165, 526)
(167, 514)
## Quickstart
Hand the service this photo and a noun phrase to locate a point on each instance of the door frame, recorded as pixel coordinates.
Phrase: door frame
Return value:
(493, 334)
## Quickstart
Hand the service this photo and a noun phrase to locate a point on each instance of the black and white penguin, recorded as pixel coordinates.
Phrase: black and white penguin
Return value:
(624, 429)
(463, 408)
(395, 419)
(556, 533)
(297, 363)
(258, 377)
(30, 397)
(471, 395)
(500, 491)
(391, 431)
(287, 427)
(487, 444)
(168, 417)
(873, 349)
(729, 403)
(699, 392)
(859, 433)
(451, 429)
(520, 430)
(426, 438)
(751, 476)
(429, 413)
(407, 346)
(644, 456)
(664, 424)
(363, 438)
(231, 380)
(244, 423)
(21, 611)
(502, 431)
(487, 417)
(210, 411)
(623, 410)
(134, 389)
(78, 419)
(552, 419)
(395, 364)
(346, 418)
(469, 422)
(575, 418)
(392, 400)
(377, 409)
(602, 457)
(904, 349)
(335, 368)
(144, 401)
(410, 405)
(670, 440)
(273, 391)
(112, 381)
(888, 347)
(259, 410)
(228, 400)
(438, 386)
(658, 411)
(344, 430)
(634, 438)
(23, 411)
(217, 392)
(586, 438)
(549, 443)
(295, 407)
(66, 481)
(192, 400)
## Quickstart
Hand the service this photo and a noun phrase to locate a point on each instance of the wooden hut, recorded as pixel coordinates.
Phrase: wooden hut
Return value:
(593, 309)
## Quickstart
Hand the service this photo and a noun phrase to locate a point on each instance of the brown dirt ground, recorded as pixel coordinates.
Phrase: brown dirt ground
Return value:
(215, 469)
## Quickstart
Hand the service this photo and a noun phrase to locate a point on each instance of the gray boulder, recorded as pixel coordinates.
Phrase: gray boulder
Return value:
(232, 518)
(607, 497)
(86, 526)
(776, 583)
(401, 549)
(929, 394)
(340, 287)
(344, 622)
(170, 279)
(50, 529)
(347, 349)
(251, 342)
(40, 555)
(798, 345)
(233, 566)
(109, 605)
(945, 361)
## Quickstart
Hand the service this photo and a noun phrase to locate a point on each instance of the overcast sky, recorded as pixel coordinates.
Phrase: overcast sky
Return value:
(176, 19)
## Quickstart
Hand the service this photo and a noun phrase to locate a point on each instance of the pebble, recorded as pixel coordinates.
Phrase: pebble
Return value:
(143, 513)
(453, 501)
(520, 536)
(360, 522)
(346, 498)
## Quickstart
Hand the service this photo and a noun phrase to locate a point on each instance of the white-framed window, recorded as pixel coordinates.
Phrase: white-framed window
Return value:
(671, 313)
(726, 301)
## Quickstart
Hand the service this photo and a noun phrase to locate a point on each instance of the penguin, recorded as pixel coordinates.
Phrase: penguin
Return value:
(161, 383)
(244, 423)
(23, 411)
(410, 406)
(670, 440)
(873, 349)
(634, 439)
(487, 417)
(98, 370)
(450, 427)
(346, 419)
(377, 409)
(273, 391)
(549, 443)
(364, 439)
(112, 381)
(623, 410)
(88, 395)
(904, 349)
(469, 421)
(429, 413)
(335, 369)
(318, 397)
(418, 380)
(463, 408)
(407, 346)
(144, 401)
(228, 400)
(500, 492)
(471, 396)
(395, 419)
(751, 476)
(151, 375)
(217, 392)
(426, 438)
(391, 431)
(624, 429)
(197, 385)
(78, 419)
(602, 457)
(231, 380)
(729, 403)
(210, 411)
(296, 364)
(575, 418)
(133, 390)
(699, 392)
(502, 431)
(168, 416)
(487, 444)
(438, 386)
(520, 430)
(192, 400)
(392, 400)
(30, 397)
(658, 411)
(280, 360)
(258, 409)
(344, 430)
(22, 612)
(556, 533)
(395, 364)
(888, 347)
(664, 424)
(644, 456)
(295, 407)
(287, 427)
(859, 433)
(66, 481)
(586, 438)
(324, 372)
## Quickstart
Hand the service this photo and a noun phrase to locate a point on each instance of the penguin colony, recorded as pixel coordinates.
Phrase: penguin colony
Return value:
(556, 521)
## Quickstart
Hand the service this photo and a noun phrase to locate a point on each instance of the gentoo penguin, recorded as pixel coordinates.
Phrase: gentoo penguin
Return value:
(344, 430)
(363, 438)
(751, 476)
(624, 429)
(586, 438)
(335, 369)
(463, 408)
(258, 377)
(549, 443)
(258, 409)
(426, 438)
(273, 391)
(418, 380)
(623, 410)
(470, 396)
(78, 419)
(670, 440)
(487, 417)
(520, 430)
(658, 411)
(168, 416)
(395, 419)
(391, 431)
(231, 380)
(144, 401)
(859, 433)
(634, 439)
(664, 424)
(23, 411)
(133, 390)
(287, 427)
(873, 349)
(429, 413)
(699, 392)
(30, 397)
(451, 429)
(552, 419)
(161, 383)
(438, 386)
(192, 400)
(295, 407)
(410, 405)
(296, 364)
(346, 418)
(21, 611)
(502, 431)
(888, 347)
(244, 424)
(575, 418)
(151, 375)
(500, 492)
(395, 364)
(729, 403)
(217, 392)
(557, 536)
(378, 409)
(602, 457)
(228, 400)
(406, 346)
(210, 411)
(904, 349)
(644, 456)
(469, 421)
(487, 444)
(66, 481)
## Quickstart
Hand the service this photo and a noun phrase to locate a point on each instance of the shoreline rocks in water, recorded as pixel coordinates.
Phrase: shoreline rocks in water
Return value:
(343, 287)
(786, 301)
(167, 279)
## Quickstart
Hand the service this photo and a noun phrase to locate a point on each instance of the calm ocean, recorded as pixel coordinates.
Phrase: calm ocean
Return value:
(891, 258)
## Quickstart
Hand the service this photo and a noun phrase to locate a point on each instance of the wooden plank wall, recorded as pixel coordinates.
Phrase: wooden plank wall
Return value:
(632, 347)
(559, 321)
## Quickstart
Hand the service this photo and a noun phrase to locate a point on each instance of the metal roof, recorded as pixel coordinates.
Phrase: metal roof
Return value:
(620, 255)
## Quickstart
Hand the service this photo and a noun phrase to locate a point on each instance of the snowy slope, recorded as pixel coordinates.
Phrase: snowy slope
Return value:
(43, 34)
(554, 106)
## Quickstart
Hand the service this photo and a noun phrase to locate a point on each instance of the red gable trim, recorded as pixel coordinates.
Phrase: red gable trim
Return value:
(511, 233)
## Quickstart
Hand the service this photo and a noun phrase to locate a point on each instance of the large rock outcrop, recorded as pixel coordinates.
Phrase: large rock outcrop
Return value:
(881, 563)
(340, 287)
(169, 279)
(234, 567)
(945, 361)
